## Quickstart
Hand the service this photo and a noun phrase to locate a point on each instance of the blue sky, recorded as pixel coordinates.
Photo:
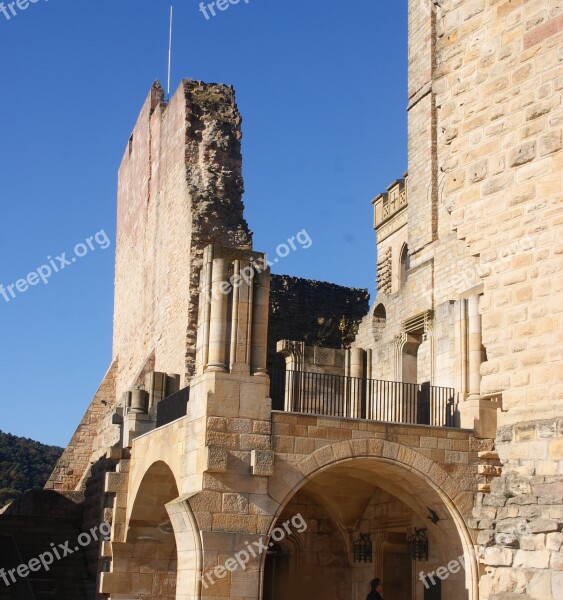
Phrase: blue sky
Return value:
(321, 86)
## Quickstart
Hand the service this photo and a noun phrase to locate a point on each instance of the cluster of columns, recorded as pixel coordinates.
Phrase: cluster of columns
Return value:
(233, 312)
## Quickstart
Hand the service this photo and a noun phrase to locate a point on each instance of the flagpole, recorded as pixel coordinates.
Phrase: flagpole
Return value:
(169, 52)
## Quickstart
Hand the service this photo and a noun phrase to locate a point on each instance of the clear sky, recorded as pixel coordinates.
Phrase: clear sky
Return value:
(321, 86)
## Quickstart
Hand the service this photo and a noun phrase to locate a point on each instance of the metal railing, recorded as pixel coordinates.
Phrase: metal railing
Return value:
(340, 396)
(172, 407)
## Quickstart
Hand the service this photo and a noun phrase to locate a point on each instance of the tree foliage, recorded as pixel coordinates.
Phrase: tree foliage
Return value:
(24, 465)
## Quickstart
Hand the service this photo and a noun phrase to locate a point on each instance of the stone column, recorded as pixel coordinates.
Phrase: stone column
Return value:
(462, 348)
(234, 317)
(260, 310)
(356, 377)
(218, 318)
(474, 346)
(202, 345)
(294, 353)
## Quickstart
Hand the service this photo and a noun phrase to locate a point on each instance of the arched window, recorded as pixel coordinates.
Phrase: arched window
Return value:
(380, 314)
(405, 265)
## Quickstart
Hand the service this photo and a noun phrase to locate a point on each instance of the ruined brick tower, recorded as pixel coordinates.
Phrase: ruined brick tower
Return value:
(180, 189)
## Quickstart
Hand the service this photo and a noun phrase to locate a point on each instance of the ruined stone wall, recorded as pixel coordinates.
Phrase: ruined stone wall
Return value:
(520, 539)
(314, 312)
(75, 460)
(180, 188)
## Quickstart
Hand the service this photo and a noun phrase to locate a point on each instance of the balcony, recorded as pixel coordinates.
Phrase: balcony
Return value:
(172, 407)
(340, 396)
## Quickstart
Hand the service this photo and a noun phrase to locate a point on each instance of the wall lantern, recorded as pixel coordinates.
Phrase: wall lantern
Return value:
(418, 544)
(363, 548)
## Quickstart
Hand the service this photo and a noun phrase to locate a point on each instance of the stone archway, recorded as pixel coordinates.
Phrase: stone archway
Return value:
(160, 556)
(344, 487)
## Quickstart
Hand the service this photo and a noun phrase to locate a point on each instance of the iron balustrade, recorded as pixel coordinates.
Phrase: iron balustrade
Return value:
(172, 407)
(376, 400)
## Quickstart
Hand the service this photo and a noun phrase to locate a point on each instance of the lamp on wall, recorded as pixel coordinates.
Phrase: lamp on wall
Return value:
(363, 548)
(418, 544)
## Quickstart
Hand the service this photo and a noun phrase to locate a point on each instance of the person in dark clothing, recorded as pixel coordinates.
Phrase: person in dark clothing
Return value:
(376, 590)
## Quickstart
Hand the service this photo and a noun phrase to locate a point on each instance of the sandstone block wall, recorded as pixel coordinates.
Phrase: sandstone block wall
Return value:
(498, 91)
(498, 82)
(75, 460)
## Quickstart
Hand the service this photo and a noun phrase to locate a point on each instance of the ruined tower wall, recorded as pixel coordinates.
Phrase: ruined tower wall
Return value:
(180, 188)
(314, 312)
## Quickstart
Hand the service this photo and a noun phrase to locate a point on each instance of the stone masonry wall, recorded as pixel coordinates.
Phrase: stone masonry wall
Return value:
(520, 523)
(498, 86)
(497, 83)
(314, 312)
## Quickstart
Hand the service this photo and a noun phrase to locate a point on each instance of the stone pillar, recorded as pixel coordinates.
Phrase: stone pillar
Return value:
(461, 354)
(356, 382)
(260, 324)
(218, 318)
(202, 346)
(294, 353)
(240, 321)
(474, 347)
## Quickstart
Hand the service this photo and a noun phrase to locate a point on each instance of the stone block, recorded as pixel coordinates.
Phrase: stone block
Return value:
(214, 459)
(532, 542)
(234, 503)
(501, 557)
(554, 541)
(540, 585)
(253, 441)
(537, 559)
(556, 562)
(262, 462)
(543, 526)
(485, 537)
(234, 523)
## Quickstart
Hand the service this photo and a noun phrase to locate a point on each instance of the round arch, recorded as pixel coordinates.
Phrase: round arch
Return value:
(413, 478)
(161, 551)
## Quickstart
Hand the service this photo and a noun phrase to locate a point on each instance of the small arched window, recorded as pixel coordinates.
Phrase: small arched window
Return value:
(405, 265)
(380, 314)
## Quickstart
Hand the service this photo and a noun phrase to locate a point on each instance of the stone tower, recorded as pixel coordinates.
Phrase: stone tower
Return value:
(179, 189)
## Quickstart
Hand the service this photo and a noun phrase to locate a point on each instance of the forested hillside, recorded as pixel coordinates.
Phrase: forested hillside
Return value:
(24, 465)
